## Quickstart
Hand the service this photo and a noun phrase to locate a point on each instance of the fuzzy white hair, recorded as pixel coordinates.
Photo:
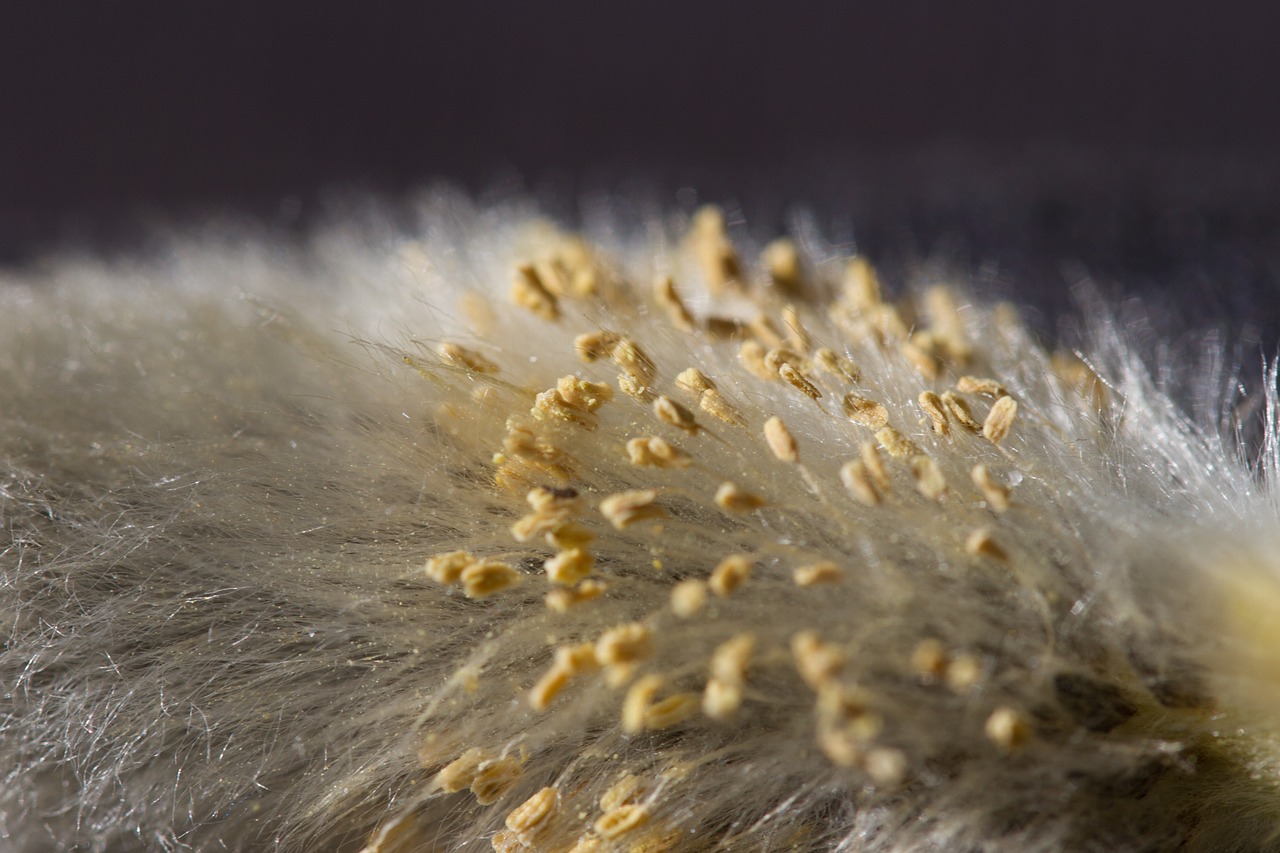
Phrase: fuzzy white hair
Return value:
(369, 547)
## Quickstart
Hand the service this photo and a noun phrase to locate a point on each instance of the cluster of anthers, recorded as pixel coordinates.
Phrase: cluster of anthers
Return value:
(766, 535)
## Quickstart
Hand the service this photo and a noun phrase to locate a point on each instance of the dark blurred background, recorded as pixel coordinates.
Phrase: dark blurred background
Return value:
(1133, 142)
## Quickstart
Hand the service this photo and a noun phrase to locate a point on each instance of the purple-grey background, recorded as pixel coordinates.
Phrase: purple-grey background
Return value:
(1030, 142)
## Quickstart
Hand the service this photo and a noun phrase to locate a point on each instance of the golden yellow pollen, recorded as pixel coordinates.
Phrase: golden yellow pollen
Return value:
(529, 292)
(995, 493)
(781, 259)
(896, 444)
(694, 381)
(534, 814)
(624, 644)
(858, 481)
(447, 568)
(627, 354)
(935, 408)
(729, 496)
(818, 574)
(657, 452)
(671, 711)
(688, 597)
(494, 779)
(636, 704)
(959, 411)
(1007, 729)
(862, 410)
(928, 477)
(1000, 420)
(818, 662)
(489, 577)
(799, 381)
(730, 573)
(982, 544)
(980, 385)
(713, 403)
(458, 774)
(569, 567)
(861, 284)
(465, 358)
(670, 412)
(620, 821)
(752, 356)
(562, 600)
(666, 295)
(632, 507)
(781, 441)
(594, 346)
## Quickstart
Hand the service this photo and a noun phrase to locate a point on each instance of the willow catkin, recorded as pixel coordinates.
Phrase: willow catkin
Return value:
(271, 578)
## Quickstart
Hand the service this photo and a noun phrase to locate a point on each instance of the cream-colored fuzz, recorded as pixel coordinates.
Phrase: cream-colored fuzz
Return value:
(680, 543)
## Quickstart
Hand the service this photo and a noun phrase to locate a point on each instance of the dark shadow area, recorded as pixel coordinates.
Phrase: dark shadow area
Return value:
(1031, 144)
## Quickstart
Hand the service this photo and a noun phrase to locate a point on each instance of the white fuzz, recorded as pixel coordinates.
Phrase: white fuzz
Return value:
(493, 536)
